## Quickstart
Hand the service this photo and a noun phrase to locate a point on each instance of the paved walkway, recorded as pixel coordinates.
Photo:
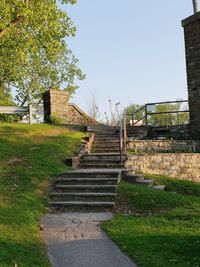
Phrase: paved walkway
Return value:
(76, 240)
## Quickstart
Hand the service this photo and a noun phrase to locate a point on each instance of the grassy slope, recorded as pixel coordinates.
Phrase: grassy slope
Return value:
(163, 228)
(30, 156)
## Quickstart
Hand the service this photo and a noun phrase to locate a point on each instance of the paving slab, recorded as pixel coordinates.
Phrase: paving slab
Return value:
(76, 240)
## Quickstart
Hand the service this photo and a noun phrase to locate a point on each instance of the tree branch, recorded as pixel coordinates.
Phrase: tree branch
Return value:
(14, 22)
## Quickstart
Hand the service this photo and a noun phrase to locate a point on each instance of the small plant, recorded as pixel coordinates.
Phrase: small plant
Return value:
(10, 118)
(56, 119)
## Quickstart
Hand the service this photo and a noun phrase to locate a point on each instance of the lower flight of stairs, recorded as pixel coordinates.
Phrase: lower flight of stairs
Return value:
(94, 184)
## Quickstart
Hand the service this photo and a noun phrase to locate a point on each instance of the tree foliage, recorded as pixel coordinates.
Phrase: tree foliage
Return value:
(33, 51)
(160, 119)
(136, 109)
(169, 118)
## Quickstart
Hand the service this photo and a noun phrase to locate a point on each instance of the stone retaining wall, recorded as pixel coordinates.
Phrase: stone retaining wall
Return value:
(56, 103)
(163, 146)
(179, 165)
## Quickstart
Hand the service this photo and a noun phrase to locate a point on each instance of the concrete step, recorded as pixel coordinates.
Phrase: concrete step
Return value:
(82, 197)
(89, 174)
(86, 181)
(90, 188)
(106, 140)
(101, 161)
(159, 187)
(105, 146)
(105, 157)
(147, 182)
(101, 166)
(82, 204)
(105, 150)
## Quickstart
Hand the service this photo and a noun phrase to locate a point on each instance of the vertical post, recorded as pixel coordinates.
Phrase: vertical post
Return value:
(195, 6)
(146, 115)
(30, 112)
(125, 133)
(132, 118)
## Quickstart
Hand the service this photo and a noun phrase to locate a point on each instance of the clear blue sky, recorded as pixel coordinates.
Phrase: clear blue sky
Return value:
(132, 51)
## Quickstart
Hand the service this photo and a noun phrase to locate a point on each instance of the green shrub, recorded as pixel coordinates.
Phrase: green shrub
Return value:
(9, 118)
(56, 119)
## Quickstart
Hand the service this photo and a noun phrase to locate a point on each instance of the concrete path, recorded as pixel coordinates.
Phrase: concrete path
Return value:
(76, 240)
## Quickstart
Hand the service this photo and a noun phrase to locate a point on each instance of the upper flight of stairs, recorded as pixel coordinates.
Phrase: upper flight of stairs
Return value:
(106, 139)
(137, 132)
(102, 161)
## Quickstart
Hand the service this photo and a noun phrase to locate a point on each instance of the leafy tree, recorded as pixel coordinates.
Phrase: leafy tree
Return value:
(169, 118)
(34, 54)
(5, 98)
(135, 109)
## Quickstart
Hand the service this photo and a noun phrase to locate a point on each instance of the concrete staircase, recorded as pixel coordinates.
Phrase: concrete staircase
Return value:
(85, 188)
(95, 183)
(102, 161)
(139, 179)
(137, 132)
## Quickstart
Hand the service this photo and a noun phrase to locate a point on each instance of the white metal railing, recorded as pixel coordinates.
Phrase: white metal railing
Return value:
(9, 110)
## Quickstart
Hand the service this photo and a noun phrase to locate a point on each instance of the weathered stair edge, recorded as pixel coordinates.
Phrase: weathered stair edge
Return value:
(85, 150)
(139, 179)
(82, 200)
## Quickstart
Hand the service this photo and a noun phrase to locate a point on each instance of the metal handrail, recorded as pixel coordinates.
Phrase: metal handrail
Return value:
(146, 113)
(121, 144)
(122, 137)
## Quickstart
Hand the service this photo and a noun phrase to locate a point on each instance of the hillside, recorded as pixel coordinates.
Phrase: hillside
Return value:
(30, 156)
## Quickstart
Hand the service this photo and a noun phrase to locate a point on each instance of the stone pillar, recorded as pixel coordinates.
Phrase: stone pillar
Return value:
(192, 45)
(56, 103)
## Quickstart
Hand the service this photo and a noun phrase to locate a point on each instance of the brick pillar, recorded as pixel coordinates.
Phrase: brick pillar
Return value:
(56, 103)
(192, 45)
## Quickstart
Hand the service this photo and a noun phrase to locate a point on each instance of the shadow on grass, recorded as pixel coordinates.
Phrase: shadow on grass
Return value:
(22, 253)
(152, 249)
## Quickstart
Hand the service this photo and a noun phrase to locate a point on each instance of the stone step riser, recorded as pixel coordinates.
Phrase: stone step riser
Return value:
(95, 151)
(105, 146)
(83, 198)
(86, 190)
(82, 204)
(90, 158)
(107, 133)
(87, 182)
(88, 175)
(101, 166)
(106, 149)
(96, 162)
(107, 140)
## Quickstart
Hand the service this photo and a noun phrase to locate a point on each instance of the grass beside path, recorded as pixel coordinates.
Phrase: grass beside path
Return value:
(157, 228)
(30, 156)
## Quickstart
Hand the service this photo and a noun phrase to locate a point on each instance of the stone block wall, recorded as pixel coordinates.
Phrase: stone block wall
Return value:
(192, 45)
(77, 116)
(56, 103)
(163, 146)
(178, 165)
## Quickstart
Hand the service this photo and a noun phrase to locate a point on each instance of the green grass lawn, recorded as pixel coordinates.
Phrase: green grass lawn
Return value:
(155, 228)
(30, 156)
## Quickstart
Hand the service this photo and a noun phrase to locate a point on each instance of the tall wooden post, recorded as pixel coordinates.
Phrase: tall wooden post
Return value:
(30, 113)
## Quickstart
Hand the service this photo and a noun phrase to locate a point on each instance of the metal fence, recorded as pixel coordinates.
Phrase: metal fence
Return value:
(144, 115)
(17, 110)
